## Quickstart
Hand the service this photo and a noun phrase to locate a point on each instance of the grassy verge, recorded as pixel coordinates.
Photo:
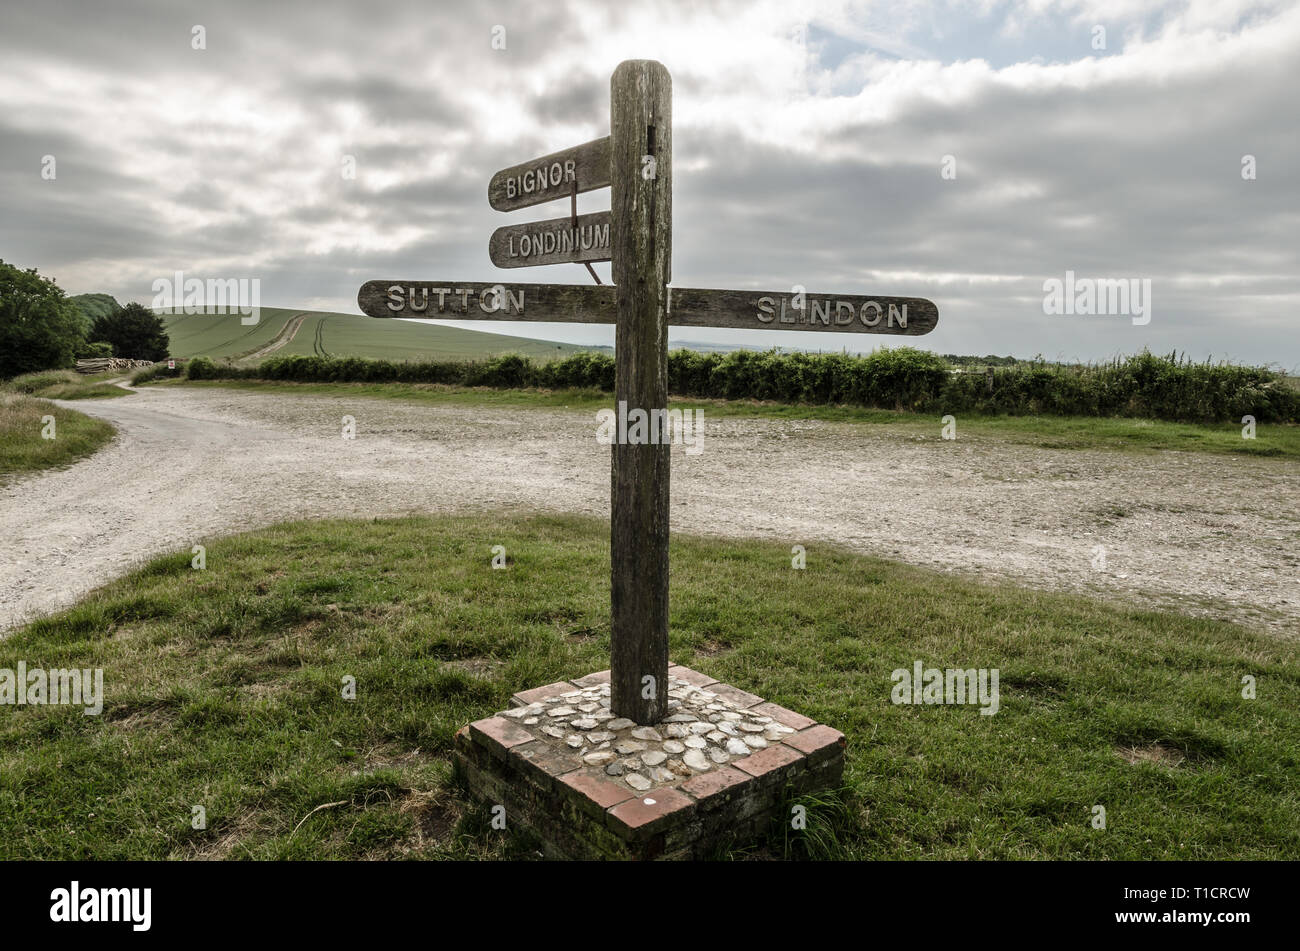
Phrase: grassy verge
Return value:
(66, 385)
(1046, 432)
(223, 690)
(24, 449)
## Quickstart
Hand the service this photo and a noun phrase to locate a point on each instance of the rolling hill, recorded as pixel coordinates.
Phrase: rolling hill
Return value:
(289, 331)
(94, 305)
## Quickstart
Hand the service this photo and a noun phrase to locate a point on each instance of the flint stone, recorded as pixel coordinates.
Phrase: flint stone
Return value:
(695, 760)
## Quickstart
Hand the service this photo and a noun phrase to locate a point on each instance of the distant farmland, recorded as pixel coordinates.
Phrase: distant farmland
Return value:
(224, 337)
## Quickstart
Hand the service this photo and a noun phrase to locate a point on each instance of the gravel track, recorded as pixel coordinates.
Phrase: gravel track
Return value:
(1207, 535)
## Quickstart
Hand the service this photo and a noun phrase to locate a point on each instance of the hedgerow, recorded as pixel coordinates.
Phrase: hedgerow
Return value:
(902, 378)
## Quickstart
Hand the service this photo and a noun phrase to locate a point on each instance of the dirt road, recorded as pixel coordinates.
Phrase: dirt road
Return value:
(286, 334)
(1208, 535)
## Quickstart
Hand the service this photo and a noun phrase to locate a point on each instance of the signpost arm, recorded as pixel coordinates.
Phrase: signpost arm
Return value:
(641, 253)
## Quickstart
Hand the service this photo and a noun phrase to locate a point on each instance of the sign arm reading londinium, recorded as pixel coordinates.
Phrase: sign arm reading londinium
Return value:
(635, 161)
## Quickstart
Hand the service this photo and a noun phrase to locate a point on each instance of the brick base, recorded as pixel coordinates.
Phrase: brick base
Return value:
(579, 812)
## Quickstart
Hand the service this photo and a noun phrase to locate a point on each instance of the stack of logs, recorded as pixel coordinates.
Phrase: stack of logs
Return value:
(104, 364)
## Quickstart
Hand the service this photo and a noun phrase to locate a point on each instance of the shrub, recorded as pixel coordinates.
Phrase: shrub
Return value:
(91, 351)
(201, 368)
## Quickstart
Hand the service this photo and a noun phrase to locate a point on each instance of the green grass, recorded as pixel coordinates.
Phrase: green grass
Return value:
(22, 447)
(1045, 432)
(225, 337)
(224, 690)
(65, 385)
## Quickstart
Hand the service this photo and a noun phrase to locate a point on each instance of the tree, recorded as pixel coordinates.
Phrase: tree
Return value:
(40, 329)
(135, 332)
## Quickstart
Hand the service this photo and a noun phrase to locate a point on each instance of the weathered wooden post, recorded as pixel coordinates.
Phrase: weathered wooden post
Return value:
(574, 760)
(641, 205)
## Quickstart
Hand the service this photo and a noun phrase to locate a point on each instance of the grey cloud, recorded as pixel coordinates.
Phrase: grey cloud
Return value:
(1128, 178)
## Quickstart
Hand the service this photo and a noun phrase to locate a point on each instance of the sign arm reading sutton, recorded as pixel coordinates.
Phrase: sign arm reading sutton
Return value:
(635, 162)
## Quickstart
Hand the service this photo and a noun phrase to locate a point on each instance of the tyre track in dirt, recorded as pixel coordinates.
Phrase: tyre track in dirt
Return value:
(1203, 534)
(286, 334)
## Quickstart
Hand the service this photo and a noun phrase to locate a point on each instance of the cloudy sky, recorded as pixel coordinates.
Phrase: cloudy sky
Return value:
(810, 143)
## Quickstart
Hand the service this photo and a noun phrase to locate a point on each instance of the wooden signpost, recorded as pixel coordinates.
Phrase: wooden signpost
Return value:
(635, 235)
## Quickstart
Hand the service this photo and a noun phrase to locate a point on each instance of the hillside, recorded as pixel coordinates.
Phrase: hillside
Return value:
(94, 305)
(224, 337)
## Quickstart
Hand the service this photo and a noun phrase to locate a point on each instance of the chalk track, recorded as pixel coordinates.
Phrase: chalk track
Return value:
(1204, 534)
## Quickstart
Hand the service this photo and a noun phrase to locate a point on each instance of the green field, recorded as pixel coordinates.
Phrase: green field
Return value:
(222, 689)
(225, 337)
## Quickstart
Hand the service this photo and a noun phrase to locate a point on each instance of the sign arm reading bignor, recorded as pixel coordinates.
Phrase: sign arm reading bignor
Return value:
(687, 306)
(551, 177)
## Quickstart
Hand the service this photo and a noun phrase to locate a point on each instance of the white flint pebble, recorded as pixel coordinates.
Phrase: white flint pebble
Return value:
(695, 760)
